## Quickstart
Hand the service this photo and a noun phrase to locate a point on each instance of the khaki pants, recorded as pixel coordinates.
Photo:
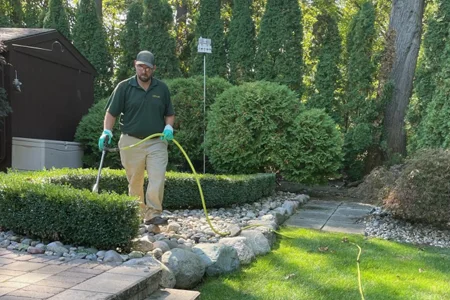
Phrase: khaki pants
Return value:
(152, 156)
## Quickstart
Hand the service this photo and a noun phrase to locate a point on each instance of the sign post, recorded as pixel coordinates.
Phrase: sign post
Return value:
(204, 46)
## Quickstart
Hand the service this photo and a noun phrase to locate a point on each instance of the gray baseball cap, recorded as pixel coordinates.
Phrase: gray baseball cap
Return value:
(145, 58)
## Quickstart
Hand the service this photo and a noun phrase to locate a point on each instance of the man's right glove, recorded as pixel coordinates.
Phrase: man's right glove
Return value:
(106, 135)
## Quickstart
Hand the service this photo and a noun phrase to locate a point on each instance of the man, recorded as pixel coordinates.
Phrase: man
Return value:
(144, 106)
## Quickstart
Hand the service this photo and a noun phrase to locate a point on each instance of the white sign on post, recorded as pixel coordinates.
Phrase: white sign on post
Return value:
(204, 45)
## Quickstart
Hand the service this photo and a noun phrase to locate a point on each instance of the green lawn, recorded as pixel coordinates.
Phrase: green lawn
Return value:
(319, 265)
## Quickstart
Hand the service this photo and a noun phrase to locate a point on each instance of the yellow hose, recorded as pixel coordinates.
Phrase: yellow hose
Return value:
(193, 171)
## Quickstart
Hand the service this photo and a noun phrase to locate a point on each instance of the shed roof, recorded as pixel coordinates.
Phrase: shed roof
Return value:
(12, 34)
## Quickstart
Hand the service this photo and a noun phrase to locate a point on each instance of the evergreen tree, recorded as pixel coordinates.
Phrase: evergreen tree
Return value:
(327, 48)
(89, 38)
(430, 66)
(16, 13)
(32, 11)
(56, 17)
(241, 42)
(360, 108)
(157, 22)
(130, 40)
(279, 55)
(210, 26)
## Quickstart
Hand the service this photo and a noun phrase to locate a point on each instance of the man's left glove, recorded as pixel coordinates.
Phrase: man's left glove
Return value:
(168, 133)
(106, 135)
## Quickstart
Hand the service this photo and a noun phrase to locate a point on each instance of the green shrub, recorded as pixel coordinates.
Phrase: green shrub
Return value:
(79, 217)
(88, 132)
(181, 190)
(188, 101)
(421, 193)
(247, 127)
(315, 148)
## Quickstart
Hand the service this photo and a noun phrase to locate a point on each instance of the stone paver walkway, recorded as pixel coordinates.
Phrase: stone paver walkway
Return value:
(30, 277)
(334, 216)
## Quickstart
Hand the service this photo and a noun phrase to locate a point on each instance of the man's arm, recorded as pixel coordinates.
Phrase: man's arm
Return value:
(109, 121)
(170, 120)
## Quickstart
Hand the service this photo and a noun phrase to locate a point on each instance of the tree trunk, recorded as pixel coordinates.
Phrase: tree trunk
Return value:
(406, 26)
(99, 6)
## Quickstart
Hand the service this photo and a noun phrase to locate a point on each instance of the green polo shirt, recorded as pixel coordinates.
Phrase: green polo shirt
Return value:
(142, 112)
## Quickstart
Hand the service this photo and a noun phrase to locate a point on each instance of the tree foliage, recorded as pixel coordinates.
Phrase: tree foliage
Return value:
(241, 42)
(210, 25)
(89, 38)
(327, 48)
(130, 40)
(157, 21)
(33, 10)
(279, 55)
(359, 108)
(429, 82)
(56, 17)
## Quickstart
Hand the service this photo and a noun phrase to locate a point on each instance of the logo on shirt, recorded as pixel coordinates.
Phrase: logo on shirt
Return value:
(156, 96)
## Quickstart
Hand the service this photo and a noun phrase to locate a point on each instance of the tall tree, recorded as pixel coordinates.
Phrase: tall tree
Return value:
(32, 11)
(434, 42)
(210, 26)
(56, 17)
(130, 40)
(406, 25)
(359, 105)
(279, 54)
(327, 48)
(241, 42)
(16, 13)
(157, 20)
(89, 38)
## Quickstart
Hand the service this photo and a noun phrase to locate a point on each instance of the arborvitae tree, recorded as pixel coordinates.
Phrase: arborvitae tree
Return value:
(279, 55)
(434, 43)
(89, 38)
(241, 42)
(435, 129)
(360, 108)
(327, 48)
(16, 13)
(210, 26)
(32, 11)
(5, 108)
(130, 40)
(157, 22)
(56, 17)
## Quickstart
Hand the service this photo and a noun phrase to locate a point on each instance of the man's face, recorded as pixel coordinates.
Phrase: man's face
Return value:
(144, 72)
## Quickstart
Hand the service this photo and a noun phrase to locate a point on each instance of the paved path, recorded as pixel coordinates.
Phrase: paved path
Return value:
(334, 216)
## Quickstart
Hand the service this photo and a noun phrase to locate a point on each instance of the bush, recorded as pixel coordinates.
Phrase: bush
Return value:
(421, 193)
(247, 127)
(88, 132)
(80, 217)
(181, 190)
(377, 185)
(315, 150)
(187, 99)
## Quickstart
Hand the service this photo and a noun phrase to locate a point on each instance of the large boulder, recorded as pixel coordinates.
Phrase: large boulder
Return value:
(218, 258)
(187, 267)
(256, 241)
(244, 252)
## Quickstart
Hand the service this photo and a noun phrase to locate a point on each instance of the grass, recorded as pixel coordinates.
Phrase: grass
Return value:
(319, 265)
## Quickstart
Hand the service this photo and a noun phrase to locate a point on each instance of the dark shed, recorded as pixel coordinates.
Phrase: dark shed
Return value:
(57, 87)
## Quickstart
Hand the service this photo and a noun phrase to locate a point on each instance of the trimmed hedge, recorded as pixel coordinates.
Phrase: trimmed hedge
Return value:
(58, 204)
(181, 190)
(52, 212)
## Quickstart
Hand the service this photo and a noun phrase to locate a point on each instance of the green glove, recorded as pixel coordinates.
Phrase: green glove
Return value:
(168, 133)
(106, 135)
